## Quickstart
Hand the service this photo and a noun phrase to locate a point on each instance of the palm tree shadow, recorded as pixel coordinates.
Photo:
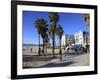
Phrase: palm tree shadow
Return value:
(37, 58)
(58, 64)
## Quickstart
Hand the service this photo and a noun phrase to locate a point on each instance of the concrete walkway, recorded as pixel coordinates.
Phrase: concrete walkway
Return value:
(31, 61)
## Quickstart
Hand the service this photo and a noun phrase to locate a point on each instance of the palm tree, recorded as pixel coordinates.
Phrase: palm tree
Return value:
(87, 19)
(43, 35)
(54, 17)
(40, 24)
(59, 33)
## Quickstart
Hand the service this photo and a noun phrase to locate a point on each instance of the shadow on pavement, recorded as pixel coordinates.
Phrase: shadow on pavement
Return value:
(58, 64)
(27, 58)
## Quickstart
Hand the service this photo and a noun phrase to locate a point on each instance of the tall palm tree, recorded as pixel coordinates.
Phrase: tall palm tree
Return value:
(59, 33)
(43, 35)
(87, 21)
(54, 17)
(41, 25)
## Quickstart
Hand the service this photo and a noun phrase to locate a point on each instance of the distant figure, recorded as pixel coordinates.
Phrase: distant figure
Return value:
(84, 49)
(81, 50)
(60, 53)
(76, 51)
(39, 51)
(31, 50)
(88, 48)
(43, 52)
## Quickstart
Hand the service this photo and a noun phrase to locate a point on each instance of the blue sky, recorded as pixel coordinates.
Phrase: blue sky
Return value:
(71, 23)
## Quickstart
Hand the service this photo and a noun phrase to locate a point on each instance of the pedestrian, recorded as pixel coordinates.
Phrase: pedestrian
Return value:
(31, 50)
(43, 52)
(60, 52)
(39, 51)
(76, 51)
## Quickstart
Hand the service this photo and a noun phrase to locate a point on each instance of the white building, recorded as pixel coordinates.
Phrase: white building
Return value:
(70, 40)
(67, 40)
(81, 38)
(63, 40)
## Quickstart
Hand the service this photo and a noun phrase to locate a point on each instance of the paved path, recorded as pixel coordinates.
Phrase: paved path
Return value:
(32, 61)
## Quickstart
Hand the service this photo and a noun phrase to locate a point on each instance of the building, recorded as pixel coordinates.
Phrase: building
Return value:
(81, 37)
(63, 40)
(67, 40)
(70, 40)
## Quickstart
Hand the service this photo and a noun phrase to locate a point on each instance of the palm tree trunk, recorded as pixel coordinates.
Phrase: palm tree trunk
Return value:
(60, 52)
(43, 48)
(39, 51)
(46, 47)
(53, 42)
(54, 39)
